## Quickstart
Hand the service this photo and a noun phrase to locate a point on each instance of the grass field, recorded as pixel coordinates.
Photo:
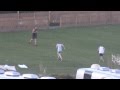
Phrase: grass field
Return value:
(81, 49)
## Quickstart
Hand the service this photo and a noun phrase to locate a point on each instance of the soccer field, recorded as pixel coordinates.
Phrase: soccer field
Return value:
(81, 49)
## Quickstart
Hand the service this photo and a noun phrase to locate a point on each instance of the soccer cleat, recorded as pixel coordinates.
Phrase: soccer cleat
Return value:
(59, 59)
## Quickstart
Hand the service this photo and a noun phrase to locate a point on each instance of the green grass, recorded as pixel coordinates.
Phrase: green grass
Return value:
(81, 48)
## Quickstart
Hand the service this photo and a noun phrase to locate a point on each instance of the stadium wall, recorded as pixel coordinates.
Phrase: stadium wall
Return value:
(48, 19)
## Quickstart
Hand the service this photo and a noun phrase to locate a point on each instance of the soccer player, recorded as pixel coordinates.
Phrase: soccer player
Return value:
(101, 51)
(60, 48)
(34, 36)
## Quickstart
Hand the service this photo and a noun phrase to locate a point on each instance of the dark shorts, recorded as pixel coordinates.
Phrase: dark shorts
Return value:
(101, 54)
(59, 51)
(34, 35)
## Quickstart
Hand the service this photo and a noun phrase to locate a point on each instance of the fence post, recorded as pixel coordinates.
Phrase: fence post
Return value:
(111, 17)
(35, 22)
(18, 18)
(90, 18)
(49, 18)
(76, 20)
(60, 21)
(49, 15)
(18, 14)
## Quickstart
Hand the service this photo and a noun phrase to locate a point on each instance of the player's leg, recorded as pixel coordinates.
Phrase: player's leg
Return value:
(35, 39)
(31, 40)
(101, 57)
(35, 42)
(59, 56)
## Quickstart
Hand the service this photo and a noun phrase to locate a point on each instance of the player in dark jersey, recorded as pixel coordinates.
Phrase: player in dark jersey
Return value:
(34, 36)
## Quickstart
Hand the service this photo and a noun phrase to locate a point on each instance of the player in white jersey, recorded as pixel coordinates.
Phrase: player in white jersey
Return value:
(60, 48)
(101, 51)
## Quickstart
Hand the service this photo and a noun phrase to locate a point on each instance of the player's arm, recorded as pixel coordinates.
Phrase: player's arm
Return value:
(37, 30)
(63, 46)
(33, 30)
(104, 49)
(98, 50)
(56, 45)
